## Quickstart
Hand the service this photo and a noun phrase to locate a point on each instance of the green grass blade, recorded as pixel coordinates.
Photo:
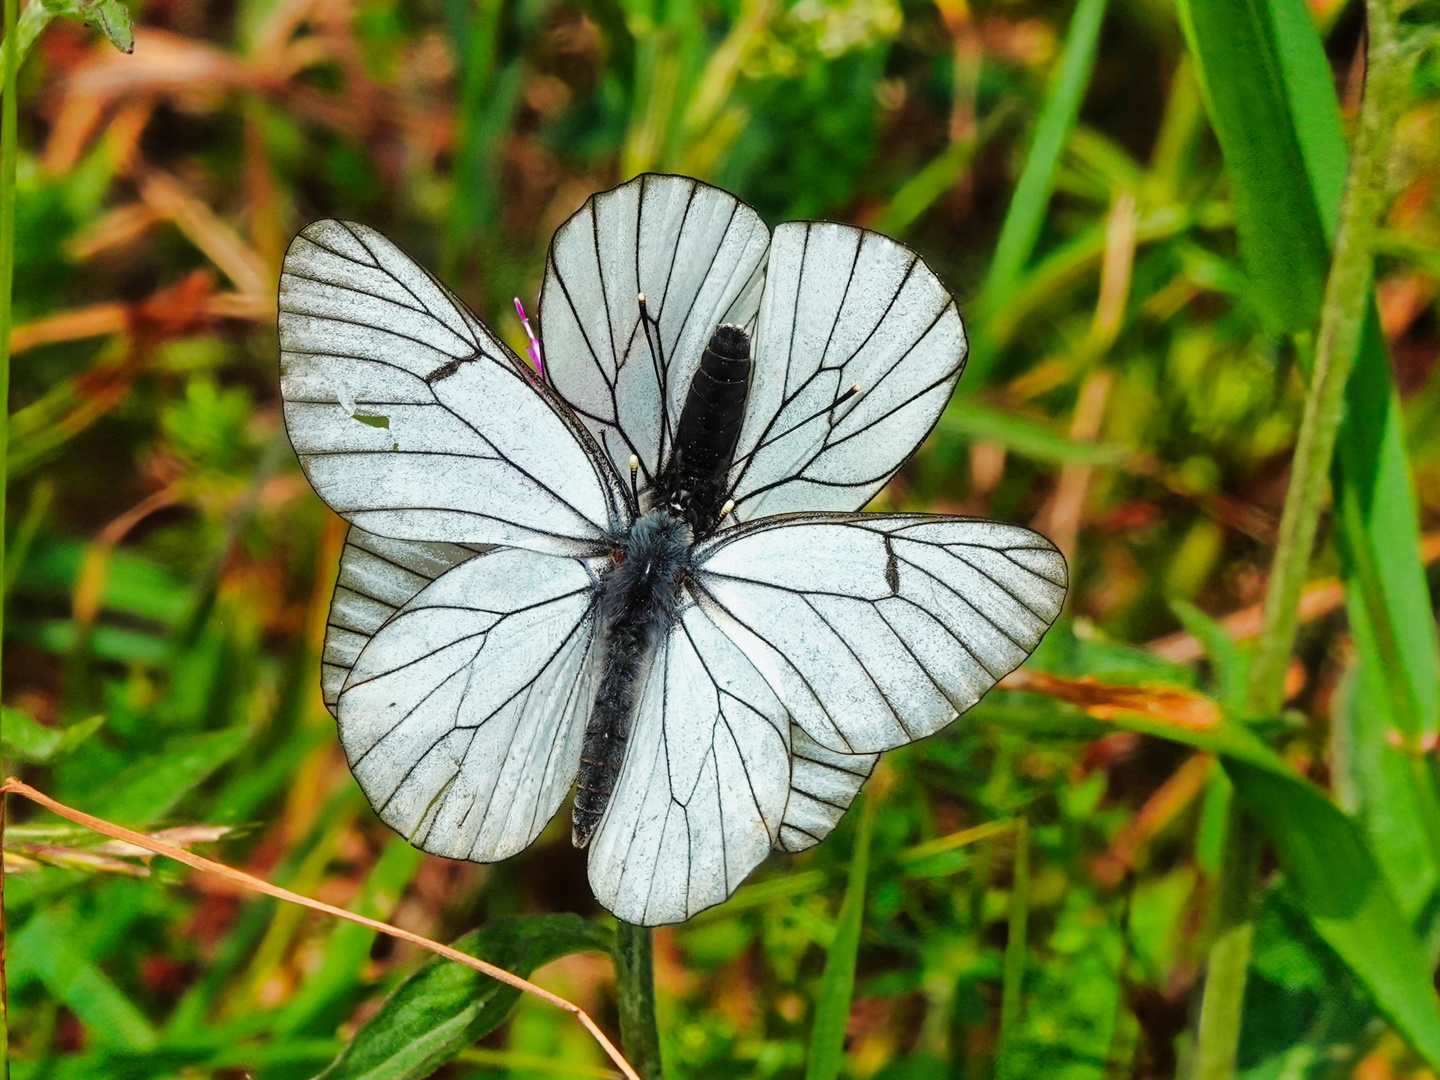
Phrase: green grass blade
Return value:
(1028, 206)
(321, 1003)
(832, 1009)
(1015, 952)
(1271, 102)
(1243, 80)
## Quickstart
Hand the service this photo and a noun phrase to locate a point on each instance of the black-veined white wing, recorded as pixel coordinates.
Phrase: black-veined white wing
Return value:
(462, 717)
(843, 307)
(875, 630)
(413, 421)
(698, 255)
(701, 796)
(823, 784)
(378, 577)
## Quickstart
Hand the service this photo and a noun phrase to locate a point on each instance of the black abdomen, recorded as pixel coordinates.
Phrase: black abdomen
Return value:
(639, 596)
(692, 483)
(637, 601)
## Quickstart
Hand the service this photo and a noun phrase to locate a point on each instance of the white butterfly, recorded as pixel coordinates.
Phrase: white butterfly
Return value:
(612, 564)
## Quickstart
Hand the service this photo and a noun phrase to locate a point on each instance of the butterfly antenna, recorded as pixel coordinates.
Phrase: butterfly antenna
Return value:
(846, 396)
(634, 486)
(533, 348)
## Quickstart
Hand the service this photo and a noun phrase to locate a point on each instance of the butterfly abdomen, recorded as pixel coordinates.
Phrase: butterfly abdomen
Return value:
(637, 603)
(692, 483)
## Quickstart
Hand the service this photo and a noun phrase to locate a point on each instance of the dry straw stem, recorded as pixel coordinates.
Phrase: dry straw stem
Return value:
(248, 881)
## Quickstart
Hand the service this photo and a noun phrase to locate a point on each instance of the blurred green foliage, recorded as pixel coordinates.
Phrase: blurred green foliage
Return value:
(1135, 390)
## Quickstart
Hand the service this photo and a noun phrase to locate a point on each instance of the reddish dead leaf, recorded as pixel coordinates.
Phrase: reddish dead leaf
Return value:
(177, 311)
(1105, 701)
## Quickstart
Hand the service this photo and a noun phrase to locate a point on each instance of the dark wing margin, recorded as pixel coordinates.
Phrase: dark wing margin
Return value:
(857, 350)
(875, 630)
(413, 421)
(697, 254)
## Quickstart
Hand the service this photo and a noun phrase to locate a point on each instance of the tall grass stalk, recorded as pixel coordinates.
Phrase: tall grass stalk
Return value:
(9, 122)
(635, 993)
(1390, 61)
(837, 981)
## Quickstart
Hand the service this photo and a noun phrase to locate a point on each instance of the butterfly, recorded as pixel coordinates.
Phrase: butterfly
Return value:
(642, 575)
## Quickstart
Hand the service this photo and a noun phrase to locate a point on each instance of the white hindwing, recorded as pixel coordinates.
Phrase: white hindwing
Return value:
(878, 629)
(823, 784)
(377, 578)
(462, 717)
(698, 255)
(701, 795)
(843, 308)
(413, 421)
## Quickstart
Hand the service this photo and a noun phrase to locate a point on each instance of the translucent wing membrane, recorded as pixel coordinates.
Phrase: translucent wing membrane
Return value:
(697, 253)
(412, 421)
(702, 793)
(845, 312)
(462, 716)
(876, 630)
(377, 578)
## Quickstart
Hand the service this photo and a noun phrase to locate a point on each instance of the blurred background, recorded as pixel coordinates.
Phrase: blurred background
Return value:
(170, 570)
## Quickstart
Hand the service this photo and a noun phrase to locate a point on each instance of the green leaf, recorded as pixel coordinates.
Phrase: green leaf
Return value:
(1242, 77)
(1304, 1016)
(25, 738)
(1028, 206)
(110, 17)
(1338, 885)
(150, 788)
(837, 983)
(969, 419)
(1272, 104)
(1228, 661)
(1332, 873)
(54, 948)
(444, 1007)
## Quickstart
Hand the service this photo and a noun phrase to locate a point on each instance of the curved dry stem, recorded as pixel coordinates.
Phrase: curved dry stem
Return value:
(260, 885)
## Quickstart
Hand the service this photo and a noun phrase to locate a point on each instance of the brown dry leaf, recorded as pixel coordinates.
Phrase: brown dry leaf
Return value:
(1105, 701)
(1163, 807)
(93, 321)
(222, 245)
(190, 72)
(1319, 599)
(68, 858)
(116, 228)
(181, 836)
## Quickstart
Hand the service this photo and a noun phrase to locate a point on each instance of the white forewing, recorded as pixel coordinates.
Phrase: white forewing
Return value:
(696, 252)
(462, 717)
(876, 630)
(843, 307)
(413, 421)
(701, 797)
(378, 577)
